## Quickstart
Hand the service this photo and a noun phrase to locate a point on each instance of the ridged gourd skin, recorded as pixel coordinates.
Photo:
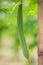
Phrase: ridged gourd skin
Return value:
(21, 34)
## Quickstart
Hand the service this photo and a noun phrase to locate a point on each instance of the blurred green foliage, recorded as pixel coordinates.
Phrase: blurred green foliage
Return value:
(8, 20)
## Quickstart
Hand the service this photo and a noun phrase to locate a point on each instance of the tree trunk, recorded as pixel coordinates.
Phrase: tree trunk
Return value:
(40, 33)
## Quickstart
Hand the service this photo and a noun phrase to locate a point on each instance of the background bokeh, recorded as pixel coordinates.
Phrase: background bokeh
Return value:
(10, 47)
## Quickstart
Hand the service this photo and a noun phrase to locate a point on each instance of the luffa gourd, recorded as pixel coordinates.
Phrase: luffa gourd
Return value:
(20, 29)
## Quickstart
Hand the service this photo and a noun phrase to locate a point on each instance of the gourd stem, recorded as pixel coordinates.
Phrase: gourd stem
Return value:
(21, 1)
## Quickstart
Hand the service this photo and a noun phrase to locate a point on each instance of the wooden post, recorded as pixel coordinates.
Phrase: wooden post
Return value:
(40, 33)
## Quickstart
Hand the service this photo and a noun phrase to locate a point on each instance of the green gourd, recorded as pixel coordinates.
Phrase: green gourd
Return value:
(20, 29)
